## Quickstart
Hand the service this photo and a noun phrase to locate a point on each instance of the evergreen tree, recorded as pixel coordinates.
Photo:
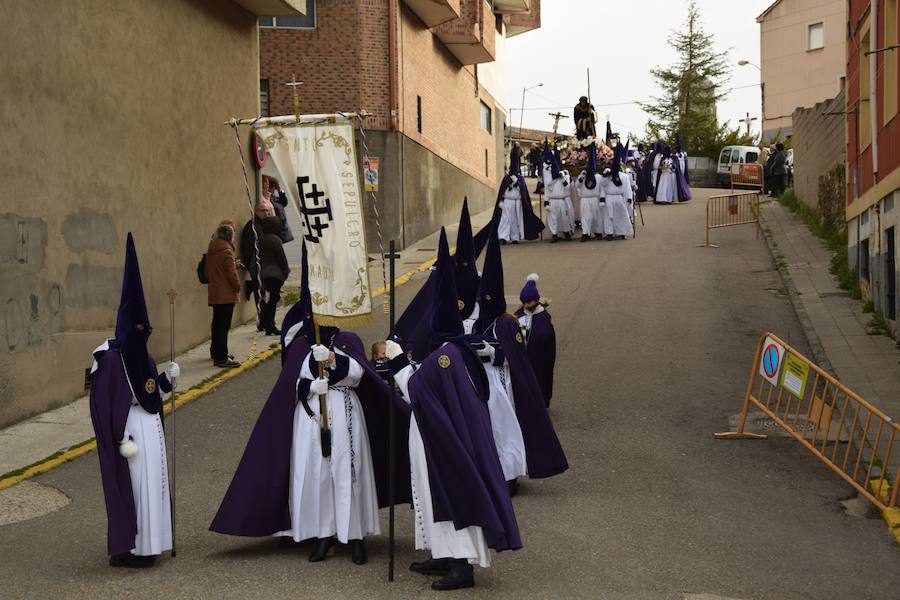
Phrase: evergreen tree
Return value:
(690, 89)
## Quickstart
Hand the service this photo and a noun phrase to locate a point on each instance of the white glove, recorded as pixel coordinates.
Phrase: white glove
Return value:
(393, 349)
(173, 371)
(320, 353)
(127, 447)
(488, 350)
(318, 387)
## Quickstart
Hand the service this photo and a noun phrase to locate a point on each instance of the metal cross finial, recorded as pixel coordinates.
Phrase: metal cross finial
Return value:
(294, 84)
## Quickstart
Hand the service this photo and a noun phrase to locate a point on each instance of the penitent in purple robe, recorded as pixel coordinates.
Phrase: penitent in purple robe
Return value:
(684, 188)
(541, 347)
(256, 503)
(110, 401)
(449, 394)
(543, 452)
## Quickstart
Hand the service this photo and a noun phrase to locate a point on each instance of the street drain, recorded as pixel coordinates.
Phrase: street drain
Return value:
(760, 422)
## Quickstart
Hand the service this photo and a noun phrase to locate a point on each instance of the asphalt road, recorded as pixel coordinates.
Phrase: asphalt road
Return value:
(656, 337)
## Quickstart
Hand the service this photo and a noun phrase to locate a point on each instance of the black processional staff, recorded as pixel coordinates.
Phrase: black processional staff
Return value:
(392, 425)
(172, 294)
(325, 437)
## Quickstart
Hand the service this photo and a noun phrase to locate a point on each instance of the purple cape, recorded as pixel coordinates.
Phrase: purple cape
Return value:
(684, 190)
(543, 451)
(110, 402)
(449, 395)
(541, 348)
(641, 182)
(256, 503)
(649, 184)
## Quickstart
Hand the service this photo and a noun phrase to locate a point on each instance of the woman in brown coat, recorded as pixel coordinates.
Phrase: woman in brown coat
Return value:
(222, 292)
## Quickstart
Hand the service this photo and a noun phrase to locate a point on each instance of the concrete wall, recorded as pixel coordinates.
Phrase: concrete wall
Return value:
(433, 191)
(112, 117)
(819, 144)
(793, 75)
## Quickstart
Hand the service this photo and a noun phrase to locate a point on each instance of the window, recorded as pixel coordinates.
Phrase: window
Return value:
(419, 114)
(723, 159)
(890, 60)
(864, 272)
(735, 156)
(864, 114)
(752, 157)
(307, 21)
(264, 97)
(815, 36)
(486, 117)
(486, 163)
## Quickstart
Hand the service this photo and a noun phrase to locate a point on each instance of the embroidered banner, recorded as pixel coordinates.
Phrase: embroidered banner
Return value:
(318, 170)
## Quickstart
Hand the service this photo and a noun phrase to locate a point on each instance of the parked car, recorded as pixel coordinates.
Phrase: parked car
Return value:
(734, 155)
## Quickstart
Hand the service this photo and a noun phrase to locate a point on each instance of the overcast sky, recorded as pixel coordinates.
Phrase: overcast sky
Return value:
(620, 42)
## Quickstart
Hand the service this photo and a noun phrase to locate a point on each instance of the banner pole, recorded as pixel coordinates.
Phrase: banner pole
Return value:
(172, 294)
(323, 403)
(392, 424)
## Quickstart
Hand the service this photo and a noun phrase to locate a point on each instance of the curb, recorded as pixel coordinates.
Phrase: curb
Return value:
(891, 515)
(72, 452)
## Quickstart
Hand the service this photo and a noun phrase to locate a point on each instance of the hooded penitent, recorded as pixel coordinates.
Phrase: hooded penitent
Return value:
(590, 180)
(532, 225)
(491, 297)
(446, 322)
(466, 271)
(132, 333)
(551, 159)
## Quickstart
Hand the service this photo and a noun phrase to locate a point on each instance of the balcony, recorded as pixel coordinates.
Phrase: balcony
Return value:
(506, 7)
(274, 8)
(522, 22)
(470, 37)
(434, 12)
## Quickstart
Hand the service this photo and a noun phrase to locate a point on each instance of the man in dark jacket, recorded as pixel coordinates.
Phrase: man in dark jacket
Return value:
(279, 203)
(779, 170)
(274, 272)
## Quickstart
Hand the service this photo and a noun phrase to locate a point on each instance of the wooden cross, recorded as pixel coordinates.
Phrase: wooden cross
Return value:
(294, 84)
(556, 117)
(748, 120)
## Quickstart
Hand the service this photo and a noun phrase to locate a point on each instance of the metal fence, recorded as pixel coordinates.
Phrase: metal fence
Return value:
(851, 436)
(736, 208)
(747, 175)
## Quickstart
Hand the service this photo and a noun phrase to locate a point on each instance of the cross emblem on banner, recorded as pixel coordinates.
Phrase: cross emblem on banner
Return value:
(313, 206)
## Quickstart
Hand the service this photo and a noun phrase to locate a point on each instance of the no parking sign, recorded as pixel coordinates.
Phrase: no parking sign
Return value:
(770, 360)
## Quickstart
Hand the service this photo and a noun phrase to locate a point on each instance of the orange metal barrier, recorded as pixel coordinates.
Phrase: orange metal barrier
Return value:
(747, 175)
(852, 437)
(737, 208)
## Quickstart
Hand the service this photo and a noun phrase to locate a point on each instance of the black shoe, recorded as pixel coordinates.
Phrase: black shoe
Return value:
(358, 552)
(273, 331)
(515, 242)
(131, 561)
(555, 239)
(226, 364)
(461, 576)
(230, 357)
(513, 485)
(432, 566)
(585, 238)
(502, 242)
(324, 549)
(568, 235)
(598, 236)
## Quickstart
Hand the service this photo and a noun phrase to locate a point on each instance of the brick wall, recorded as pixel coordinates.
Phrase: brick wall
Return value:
(451, 102)
(819, 144)
(343, 62)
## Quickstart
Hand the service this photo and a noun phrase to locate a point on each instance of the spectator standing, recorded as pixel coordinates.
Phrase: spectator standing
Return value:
(779, 170)
(279, 203)
(248, 247)
(222, 291)
(274, 271)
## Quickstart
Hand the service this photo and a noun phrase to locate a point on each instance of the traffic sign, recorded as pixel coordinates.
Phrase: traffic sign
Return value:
(770, 360)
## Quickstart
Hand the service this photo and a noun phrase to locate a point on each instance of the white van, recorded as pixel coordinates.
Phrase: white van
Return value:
(734, 155)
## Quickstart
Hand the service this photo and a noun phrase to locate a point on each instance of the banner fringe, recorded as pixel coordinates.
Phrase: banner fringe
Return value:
(344, 322)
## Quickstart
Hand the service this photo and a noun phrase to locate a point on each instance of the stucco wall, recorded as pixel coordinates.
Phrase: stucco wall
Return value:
(112, 116)
(794, 76)
(818, 145)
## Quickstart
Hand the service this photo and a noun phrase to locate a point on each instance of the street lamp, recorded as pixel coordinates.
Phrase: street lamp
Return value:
(522, 109)
(762, 93)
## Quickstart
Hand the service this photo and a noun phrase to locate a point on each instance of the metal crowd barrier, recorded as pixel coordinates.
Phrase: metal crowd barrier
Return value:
(736, 208)
(852, 437)
(747, 175)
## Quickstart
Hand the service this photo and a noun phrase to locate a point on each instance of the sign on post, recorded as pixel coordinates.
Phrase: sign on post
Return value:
(370, 174)
(770, 360)
(796, 372)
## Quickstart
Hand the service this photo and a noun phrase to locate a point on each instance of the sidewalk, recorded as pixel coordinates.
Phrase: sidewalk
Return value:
(833, 322)
(51, 433)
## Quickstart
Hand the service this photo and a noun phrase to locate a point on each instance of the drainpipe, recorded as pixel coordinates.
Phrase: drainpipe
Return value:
(873, 85)
(392, 63)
